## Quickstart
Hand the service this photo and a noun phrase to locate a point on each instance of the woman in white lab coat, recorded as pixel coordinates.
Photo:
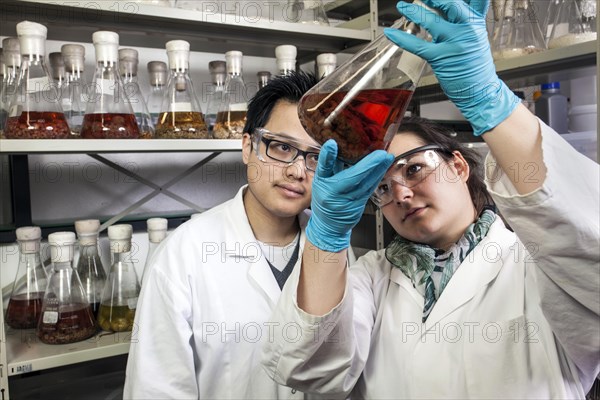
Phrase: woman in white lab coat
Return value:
(458, 306)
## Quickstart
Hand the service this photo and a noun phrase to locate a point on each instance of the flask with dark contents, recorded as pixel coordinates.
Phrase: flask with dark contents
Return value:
(67, 316)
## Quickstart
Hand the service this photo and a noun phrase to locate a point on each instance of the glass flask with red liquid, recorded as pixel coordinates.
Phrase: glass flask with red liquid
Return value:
(34, 110)
(128, 65)
(67, 316)
(25, 304)
(181, 116)
(89, 266)
(108, 113)
(361, 103)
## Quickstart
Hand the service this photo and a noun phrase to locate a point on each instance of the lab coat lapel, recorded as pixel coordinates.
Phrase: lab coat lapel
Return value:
(480, 267)
(397, 276)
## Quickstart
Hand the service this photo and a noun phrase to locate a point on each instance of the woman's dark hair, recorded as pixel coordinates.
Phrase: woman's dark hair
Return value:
(289, 88)
(432, 133)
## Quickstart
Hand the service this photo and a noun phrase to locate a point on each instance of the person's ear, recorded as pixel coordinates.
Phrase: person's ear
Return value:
(246, 148)
(461, 166)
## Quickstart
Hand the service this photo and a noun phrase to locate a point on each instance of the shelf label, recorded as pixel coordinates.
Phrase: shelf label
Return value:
(22, 369)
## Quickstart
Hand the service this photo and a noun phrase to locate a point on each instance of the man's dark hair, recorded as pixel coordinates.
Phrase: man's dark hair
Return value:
(289, 88)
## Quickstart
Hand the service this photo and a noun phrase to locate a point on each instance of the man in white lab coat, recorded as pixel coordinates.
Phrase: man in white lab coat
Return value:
(210, 289)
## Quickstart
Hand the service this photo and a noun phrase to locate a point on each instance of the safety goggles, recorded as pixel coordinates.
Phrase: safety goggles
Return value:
(408, 169)
(284, 150)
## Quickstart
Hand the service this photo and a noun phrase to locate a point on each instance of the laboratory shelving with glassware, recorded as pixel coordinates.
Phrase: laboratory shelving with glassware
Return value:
(208, 31)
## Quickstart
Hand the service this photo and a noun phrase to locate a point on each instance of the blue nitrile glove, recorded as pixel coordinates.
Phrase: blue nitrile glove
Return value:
(460, 57)
(339, 199)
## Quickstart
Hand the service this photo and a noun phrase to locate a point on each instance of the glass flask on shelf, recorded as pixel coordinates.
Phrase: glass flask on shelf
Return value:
(3, 78)
(231, 117)
(108, 113)
(157, 71)
(72, 96)
(128, 66)
(325, 64)
(215, 95)
(120, 295)
(11, 54)
(309, 12)
(361, 103)
(181, 116)
(25, 304)
(285, 56)
(89, 265)
(34, 109)
(572, 21)
(67, 316)
(157, 231)
(518, 31)
(263, 78)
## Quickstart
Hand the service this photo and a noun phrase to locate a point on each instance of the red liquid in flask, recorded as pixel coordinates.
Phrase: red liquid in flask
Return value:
(361, 126)
(69, 324)
(109, 126)
(37, 125)
(23, 311)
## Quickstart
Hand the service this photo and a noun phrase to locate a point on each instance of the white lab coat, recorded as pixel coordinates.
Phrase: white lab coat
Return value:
(203, 311)
(519, 318)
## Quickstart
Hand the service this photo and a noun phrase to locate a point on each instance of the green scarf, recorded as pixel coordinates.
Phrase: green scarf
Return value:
(423, 264)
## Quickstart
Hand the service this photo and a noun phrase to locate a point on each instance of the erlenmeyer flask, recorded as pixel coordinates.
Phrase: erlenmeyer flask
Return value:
(108, 114)
(35, 111)
(3, 78)
(25, 304)
(89, 266)
(128, 65)
(215, 95)
(360, 104)
(325, 64)
(263, 78)
(181, 116)
(66, 315)
(231, 117)
(72, 96)
(574, 21)
(157, 71)
(11, 54)
(285, 56)
(519, 31)
(307, 12)
(157, 231)
(119, 298)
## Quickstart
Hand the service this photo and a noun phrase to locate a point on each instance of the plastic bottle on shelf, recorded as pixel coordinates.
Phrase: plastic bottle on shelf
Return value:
(72, 98)
(326, 63)
(128, 67)
(231, 117)
(34, 109)
(181, 116)
(120, 295)
(218, 74)
(89, 266)
(157, 71)
(263, 78)
(67, 316)
(108, 114)
(157, 231)
(25, 304)
(552, 107)
(285, 56)
(361, 103)
(571, 22)
(519, 31)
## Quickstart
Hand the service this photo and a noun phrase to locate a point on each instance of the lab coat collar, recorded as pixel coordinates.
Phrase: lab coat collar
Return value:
(248, 248)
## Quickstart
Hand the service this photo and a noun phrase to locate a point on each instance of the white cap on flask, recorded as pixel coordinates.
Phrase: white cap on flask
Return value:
(286, 57)
(178, 52)
(11, 52)
(61, 246)
(29, 238)
(87, 230)
(120, 237)
(157, 229)
(57, 65)
(74, 56)
(158, 73)
(106, 44)
(233, 60)
(326, 63)
(32, 38)
(128, 61)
